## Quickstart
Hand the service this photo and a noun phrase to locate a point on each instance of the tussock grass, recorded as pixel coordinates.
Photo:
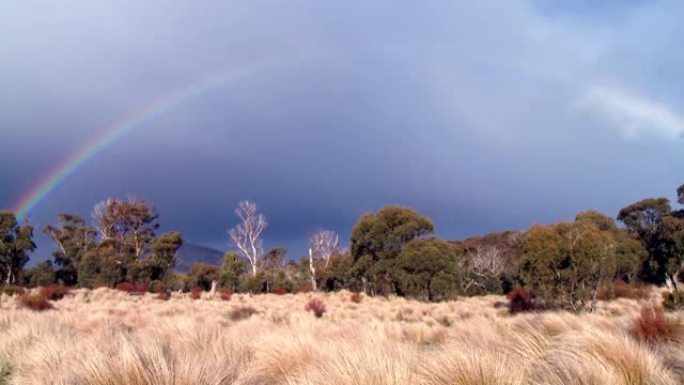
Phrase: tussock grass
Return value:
(108, 337)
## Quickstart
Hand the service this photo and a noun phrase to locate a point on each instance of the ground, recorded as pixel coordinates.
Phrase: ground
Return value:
(108, 337)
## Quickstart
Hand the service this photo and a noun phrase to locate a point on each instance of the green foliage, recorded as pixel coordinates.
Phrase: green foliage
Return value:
(12, 290)
(645, 220)
(427, 269)
(629, 251)
(202, 275)
(158, 266)
(73, 240)
(253, 283)
(376, 241)
(566, 264)
(661, 231)
(337, 275)
(16, 242)
(123, 246)
(43, 274)
(103, 265)
(233, 270)
(673, 300)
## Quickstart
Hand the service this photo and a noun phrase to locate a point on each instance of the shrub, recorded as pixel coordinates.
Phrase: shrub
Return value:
(225, 294)
(131, 288)
(356, 297)
(520, 300)
(13, 290)
(164, 295)
(35, 302)
(630, 291)
(673, 300)
(157, 287)
(622, 289)
(317, 306)
(241, 312)
(279, 291)
(196, 292)
(305, 288)
(54, 292)
(125, 286)
(653, 325)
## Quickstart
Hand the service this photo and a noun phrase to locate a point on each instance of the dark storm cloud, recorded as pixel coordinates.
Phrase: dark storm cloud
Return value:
(485, 116)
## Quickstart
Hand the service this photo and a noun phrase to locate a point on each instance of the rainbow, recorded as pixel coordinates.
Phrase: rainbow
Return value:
(39, 191)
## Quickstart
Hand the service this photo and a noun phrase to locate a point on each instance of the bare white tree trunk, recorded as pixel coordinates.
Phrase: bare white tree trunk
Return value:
(313, 271)
(324, 244)
(247, 234)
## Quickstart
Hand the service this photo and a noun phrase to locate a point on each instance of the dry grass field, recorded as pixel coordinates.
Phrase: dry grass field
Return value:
(106, 337)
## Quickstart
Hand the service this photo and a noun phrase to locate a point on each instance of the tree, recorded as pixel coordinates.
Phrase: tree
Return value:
(337, 275)
(629, 251)
(567, 263)
(376, 241)
(16, 242)
(162, 259)
(489, 262)
(602, 221)
(126, 230)
(102, 266)
(73, 240)
(647, 221)
(427, 269)
(43, 274)
(322, 246)
(484, 268)
(680, 194)
(132, 223)
(247, 234)
(233, 269)
(202, 275)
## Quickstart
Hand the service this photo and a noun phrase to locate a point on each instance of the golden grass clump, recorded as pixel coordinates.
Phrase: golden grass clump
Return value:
(109, 337)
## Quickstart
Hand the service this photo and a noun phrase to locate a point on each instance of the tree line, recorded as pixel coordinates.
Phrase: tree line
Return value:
(391, 252)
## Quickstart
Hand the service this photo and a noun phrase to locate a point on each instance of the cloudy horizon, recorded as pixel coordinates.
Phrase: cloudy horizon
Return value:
(486, 117)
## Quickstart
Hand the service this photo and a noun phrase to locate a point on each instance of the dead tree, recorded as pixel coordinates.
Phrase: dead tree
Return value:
(247, 234)
(323, 245)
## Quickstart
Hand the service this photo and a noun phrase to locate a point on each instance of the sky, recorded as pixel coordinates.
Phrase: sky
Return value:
(486, 116)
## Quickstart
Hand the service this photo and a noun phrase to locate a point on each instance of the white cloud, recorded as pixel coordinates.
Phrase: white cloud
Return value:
(634, 116)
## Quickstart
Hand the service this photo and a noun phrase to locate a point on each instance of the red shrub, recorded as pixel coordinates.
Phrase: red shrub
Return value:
(520, 300)
(279, 291)
(317, 306)
(126, 286)
(653, 325)
(35, 302)
(54, 292)
(226, 294)
(196, 292)
(141, 288)
(132, 288)
(356, 297)
(631, 291)
(305, 288)
(621, 289)
(164, 295)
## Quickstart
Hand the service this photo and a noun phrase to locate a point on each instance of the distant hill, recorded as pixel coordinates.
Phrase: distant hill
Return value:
(190, 254)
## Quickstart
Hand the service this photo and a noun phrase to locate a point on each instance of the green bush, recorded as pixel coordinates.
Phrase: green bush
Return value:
(12, 290)
(673, 300)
